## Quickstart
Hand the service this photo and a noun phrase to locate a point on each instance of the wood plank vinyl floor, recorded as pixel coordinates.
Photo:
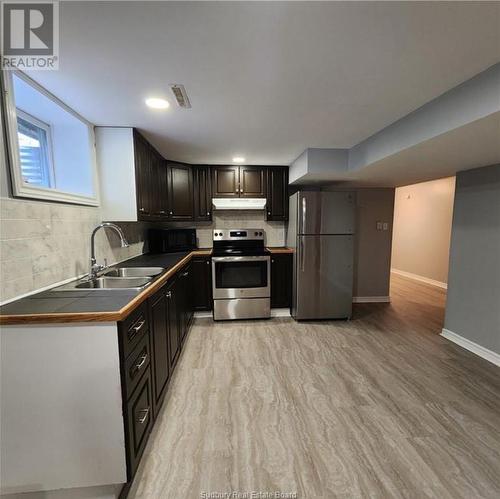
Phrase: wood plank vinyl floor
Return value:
(380, 407)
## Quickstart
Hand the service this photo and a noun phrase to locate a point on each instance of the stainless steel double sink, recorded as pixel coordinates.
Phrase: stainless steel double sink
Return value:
(116, 278)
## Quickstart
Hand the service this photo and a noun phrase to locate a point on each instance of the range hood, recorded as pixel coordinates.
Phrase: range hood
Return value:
(239, 203)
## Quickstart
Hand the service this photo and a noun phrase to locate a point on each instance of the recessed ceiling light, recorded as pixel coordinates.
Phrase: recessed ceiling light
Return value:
(156, 103)
(238, 159)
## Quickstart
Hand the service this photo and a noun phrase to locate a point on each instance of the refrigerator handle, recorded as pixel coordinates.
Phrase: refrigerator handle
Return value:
(304, 207)
(302, 254)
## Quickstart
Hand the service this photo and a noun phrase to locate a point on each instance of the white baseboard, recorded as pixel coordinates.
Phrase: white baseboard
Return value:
(371, 299)
(420, 278)
(483, 352)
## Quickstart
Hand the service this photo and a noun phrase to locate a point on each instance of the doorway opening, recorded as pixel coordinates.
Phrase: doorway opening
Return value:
(423, 215)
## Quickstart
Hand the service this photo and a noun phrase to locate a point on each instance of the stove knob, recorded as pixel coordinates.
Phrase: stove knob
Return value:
(260, 233)
(256, 233)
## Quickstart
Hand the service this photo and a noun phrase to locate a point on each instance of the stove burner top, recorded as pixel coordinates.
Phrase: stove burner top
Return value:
(239, 242)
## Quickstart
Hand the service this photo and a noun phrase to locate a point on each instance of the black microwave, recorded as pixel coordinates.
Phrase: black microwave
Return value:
(171, 240)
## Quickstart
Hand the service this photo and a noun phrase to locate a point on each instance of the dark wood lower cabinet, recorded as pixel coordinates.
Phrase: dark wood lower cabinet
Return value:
(174, 312)
(160, 347)
(139, 421)
(281, 280)
(201, 270)
(150, 341)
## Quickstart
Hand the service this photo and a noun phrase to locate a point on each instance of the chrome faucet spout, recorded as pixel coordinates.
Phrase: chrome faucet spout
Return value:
(94, 267)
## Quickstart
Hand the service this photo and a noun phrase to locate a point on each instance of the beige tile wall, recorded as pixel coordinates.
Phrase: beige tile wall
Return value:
(275, 231)
(44, 243)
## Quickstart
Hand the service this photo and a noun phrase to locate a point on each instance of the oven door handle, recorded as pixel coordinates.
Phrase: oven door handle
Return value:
(241, 258)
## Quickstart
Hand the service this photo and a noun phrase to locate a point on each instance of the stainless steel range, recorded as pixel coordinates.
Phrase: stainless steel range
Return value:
(241, 274)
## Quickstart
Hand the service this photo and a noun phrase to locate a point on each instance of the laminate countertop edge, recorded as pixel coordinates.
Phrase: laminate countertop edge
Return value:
(111, 316)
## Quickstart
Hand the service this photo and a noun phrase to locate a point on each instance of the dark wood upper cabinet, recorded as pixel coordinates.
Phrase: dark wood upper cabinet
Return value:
(202, 187)
(180, 191)
(239, 181)
(226, 181)
(252, 182)
(277, 193)
(143, 177)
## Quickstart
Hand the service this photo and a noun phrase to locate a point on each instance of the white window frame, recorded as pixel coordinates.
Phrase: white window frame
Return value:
(50, 154)
(19, 187)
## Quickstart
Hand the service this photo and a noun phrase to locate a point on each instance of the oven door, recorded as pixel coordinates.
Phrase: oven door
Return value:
(241, 277)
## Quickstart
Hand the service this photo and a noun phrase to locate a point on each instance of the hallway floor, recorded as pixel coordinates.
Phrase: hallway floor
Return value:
(380, 406)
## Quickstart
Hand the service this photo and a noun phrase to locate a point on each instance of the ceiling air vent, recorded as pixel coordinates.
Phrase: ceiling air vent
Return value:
(180, 95)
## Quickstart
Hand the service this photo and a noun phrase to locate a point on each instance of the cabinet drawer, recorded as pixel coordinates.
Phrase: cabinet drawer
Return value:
(136, 364)
(132, 329)
(139, 422)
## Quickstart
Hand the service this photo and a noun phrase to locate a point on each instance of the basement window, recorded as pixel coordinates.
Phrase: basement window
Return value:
(51, 147)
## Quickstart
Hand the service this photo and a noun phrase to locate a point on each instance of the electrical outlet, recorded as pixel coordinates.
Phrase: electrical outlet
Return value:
(379, 225)
(385, 226)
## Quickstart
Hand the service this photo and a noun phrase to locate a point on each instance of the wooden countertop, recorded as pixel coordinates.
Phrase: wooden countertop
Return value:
(128, 301)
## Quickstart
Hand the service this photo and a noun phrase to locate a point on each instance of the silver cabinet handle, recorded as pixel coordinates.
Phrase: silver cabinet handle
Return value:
(162, 212)
(142, 210)
(139, 326)
(144, 416)
(208, 262)
(137, 367)
(135, 329)
(142, 361)
(208, 213)
(185, 274)
(168, 294)
(171, 213)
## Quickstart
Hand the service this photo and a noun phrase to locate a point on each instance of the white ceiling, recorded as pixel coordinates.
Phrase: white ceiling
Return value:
(266, 80)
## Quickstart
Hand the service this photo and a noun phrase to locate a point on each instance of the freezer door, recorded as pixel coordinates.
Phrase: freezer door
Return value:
(326, 212)
(323, 277)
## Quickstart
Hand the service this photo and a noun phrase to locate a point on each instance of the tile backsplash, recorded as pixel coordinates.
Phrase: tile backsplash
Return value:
(45, 243)
(275, 231)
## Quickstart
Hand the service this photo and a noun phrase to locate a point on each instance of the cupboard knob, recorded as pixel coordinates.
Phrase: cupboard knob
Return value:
(268, 212)
(208, 262)
(142, 210)
(171, 213)
(168, 294)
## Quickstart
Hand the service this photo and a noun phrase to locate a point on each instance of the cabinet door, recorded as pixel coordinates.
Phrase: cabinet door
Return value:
(172, 296)
(138, 423)
(202, 275)
(162, 188)
(180, 191)
(159, 337)
(281, 281)
(277, 193)
(187, 275)
(202, 186)
(226, 181)
(252, 182)
(142, 151)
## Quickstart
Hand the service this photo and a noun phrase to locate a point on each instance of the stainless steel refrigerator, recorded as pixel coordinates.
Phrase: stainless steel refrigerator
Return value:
(321, 230)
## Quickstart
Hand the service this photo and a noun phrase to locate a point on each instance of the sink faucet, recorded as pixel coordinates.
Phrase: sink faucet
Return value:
(94, 267)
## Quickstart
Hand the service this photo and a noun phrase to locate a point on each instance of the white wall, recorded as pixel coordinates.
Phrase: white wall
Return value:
(422, 229)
